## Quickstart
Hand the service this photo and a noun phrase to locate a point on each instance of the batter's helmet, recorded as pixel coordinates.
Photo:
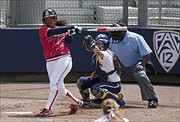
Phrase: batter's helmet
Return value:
(49, 13)
(102, 38)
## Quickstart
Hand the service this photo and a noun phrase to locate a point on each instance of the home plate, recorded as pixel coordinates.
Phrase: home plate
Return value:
(19, 113)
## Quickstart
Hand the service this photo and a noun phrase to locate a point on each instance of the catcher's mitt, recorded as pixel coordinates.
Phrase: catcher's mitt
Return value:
(89, 43)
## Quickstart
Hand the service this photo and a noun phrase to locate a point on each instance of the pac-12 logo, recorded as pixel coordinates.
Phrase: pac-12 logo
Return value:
(167, 48)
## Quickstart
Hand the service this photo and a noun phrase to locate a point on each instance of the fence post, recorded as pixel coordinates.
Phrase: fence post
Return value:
(160, 10)
(125, 11)
(142, 13)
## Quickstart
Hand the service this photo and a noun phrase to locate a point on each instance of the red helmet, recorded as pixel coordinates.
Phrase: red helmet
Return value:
(49, 13)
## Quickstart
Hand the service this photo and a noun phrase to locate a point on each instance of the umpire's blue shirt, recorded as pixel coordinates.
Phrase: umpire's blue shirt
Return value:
(131, 49)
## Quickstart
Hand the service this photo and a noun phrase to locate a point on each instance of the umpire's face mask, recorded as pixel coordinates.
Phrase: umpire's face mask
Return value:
(118, 35)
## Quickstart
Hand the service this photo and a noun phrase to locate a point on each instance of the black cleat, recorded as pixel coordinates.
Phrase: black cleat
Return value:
(152, 104)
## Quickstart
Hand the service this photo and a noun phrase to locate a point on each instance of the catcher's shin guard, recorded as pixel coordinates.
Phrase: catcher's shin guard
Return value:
(108, 94)
(85, 94)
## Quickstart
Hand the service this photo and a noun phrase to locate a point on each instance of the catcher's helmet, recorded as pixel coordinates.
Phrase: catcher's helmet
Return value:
(103, 39)
(49, 13)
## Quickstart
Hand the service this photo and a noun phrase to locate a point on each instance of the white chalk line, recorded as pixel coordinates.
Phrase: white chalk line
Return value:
(19, 113)
(26, 114)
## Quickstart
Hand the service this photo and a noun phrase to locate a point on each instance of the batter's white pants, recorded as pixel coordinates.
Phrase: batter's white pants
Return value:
(57, 71)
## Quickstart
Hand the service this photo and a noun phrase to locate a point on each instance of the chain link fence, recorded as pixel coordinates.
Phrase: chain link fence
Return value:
(89, 13)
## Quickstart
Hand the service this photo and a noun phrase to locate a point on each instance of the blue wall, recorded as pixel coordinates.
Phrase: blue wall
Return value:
(21, 51)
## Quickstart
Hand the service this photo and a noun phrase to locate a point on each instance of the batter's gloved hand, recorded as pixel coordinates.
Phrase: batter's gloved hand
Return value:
(78, 29)
(71, 32)
(89, 43)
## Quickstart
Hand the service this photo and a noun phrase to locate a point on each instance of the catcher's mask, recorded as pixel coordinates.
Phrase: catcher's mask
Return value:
(102, 41)
(118, 35)
(49, 13)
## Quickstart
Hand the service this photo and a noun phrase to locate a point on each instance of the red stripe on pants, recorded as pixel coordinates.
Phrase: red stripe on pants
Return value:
(53, 100)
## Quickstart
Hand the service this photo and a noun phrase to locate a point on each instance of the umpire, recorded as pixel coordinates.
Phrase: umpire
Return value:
(134, 55)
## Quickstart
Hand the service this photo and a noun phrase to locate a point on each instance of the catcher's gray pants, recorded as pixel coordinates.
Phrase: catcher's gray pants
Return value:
(147, 90)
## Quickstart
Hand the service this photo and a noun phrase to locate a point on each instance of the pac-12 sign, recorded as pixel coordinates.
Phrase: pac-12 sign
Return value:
(167, 48)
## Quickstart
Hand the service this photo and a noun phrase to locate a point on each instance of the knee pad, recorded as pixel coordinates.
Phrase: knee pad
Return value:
(81, 82)
(85, 94)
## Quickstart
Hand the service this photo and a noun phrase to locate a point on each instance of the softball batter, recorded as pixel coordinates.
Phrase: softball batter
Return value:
(54, 38)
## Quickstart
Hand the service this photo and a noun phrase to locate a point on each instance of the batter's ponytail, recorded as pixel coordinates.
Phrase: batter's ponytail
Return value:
(62, 23)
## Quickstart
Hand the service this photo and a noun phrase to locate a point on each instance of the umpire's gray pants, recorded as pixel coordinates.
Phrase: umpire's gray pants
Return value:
(147, 90)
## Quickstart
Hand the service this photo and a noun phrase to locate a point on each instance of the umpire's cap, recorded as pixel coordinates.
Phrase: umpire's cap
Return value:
(119, 24)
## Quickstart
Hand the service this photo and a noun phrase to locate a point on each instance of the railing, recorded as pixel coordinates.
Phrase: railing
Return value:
(139, 13)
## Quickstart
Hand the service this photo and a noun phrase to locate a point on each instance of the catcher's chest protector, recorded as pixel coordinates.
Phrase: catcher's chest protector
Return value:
(102, 75)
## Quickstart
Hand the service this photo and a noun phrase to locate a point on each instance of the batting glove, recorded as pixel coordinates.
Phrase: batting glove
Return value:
(78, 29)
(71, 32)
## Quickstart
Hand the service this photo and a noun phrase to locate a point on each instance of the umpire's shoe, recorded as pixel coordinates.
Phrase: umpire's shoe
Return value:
(45, 113)
(153, 103)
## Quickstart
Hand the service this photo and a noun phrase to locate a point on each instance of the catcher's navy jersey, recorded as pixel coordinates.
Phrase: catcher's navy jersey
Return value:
(135, 48)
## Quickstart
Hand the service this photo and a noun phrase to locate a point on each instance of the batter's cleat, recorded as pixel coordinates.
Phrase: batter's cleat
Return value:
(45, 113)
(73, 108)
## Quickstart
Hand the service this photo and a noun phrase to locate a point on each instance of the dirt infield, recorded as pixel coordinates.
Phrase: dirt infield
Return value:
(31, 97)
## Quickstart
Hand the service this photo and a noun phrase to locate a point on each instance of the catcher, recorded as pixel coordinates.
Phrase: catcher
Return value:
(104, 82)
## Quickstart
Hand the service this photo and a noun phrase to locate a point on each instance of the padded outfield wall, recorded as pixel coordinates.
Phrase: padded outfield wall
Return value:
(21, 51)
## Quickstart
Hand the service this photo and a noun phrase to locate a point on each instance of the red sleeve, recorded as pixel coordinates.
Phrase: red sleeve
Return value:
(43, 31)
